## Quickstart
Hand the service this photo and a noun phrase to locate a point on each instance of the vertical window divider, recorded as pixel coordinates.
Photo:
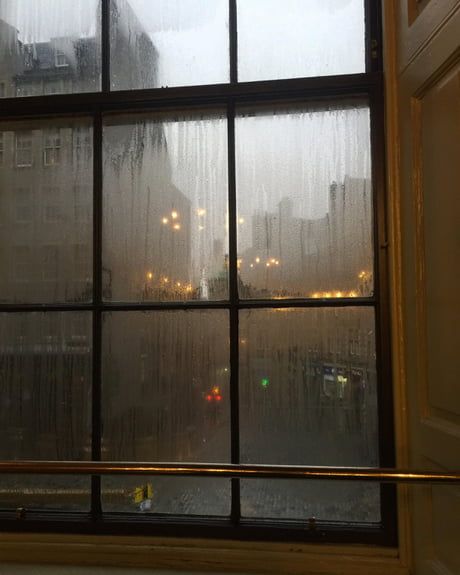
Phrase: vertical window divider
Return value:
(233, 41)
(96, 440)
(234, 311)
(105, 45)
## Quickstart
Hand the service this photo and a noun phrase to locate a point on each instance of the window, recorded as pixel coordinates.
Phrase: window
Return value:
(83, 200)
(23, 149)
(82, 144)
(51, 204)
(28, 89)
(24, 210)
(21, 259)
(50, 263)
(61, 60)
(231, 305)
(51, 148)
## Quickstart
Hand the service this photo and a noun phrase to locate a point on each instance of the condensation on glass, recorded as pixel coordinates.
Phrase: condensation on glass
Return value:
(308, 396)
(166, 397)
(45, 412)
(164, 43)
(295, 38)
(49, 47)
(304, 201)
(165, 231)
(46, 218)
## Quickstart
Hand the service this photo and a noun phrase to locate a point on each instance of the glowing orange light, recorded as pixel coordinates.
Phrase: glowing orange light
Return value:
(257, 260)
(218, 397)
(149, 275)
(165, 220)
(174, 215)
(176, 226)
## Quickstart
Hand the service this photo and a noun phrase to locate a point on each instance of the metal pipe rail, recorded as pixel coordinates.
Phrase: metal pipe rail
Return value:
(229, 470)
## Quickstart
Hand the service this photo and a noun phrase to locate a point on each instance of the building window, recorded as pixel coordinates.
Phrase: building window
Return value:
(51, 204)
(52, 87)
(237, 312)
(51, 147)
(24, 208)
(24, 149)
(61, 59)
(21, 263)
(82, 144)
(28, 89)
(83, 200)
(50, 263)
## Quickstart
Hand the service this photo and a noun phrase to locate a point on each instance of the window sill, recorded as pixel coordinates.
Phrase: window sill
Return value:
(202, 555)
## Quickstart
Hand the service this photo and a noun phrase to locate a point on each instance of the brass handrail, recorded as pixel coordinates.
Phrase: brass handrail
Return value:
(243, 471)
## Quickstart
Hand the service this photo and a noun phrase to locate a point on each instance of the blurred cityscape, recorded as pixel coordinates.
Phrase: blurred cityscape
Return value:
(308, 386)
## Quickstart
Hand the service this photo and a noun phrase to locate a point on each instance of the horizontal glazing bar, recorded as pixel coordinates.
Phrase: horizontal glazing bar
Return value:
(229, 470)
(86, 103)
(146, 306)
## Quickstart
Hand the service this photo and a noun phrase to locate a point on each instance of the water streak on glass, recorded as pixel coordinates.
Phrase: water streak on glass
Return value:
(166, 398)
(299, 38)
(45, 412)
(164, 43)
(304, 201)
(308, 396)
(165, 207)
(49, 47)
(46, 217)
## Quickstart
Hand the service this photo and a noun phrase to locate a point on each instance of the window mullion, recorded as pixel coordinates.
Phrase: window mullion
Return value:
(233, 44)
(96, 508)
(234, 311)
(105, 45)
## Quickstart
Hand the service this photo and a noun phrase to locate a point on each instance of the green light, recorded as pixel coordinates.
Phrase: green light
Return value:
(265, 382)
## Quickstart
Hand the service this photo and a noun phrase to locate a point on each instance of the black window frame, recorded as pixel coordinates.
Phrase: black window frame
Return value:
(98, 104)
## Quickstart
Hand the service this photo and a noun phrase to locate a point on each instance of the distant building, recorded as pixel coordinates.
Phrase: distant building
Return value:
(46, 223)
(292, 256)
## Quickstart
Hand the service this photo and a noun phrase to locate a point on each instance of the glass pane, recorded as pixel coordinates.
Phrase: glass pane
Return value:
(167, 495)
(304, 202)
(166, 398)
(295, 38)
(164, 43)
(21, 493)
(45, 412)
(165, 205)
(308, 396)
(45, 180)
(49, 47)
